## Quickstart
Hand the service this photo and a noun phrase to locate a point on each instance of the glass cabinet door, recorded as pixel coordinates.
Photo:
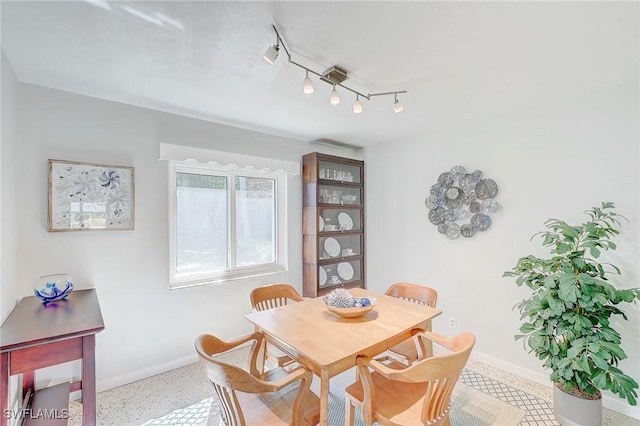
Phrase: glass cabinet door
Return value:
(339, 195)
(339, 247)
(339, 273)
(339, 220)
(339, 172)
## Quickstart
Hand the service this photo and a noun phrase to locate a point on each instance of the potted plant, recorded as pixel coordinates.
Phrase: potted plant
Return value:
(568, 317)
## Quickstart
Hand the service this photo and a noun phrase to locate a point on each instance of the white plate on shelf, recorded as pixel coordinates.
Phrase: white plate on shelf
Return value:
(323, 276)
(332, 246)
(320, 223)
(345, 221)
(345, 270)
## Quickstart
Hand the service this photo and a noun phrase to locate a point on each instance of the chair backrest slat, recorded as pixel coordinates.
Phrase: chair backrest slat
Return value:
(230, 412)
(415, 293)
(273, 295)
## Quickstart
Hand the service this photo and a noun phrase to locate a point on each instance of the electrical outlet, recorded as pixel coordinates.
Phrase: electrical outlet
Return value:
(453, 323)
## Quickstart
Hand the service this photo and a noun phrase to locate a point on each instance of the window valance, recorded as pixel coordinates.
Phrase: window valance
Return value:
(227, 159)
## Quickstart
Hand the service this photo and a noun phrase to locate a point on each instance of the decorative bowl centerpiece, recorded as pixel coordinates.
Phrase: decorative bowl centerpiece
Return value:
(51, 288)
(342, 303)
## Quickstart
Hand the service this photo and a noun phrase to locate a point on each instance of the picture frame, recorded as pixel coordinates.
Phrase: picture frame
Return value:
(90, 197)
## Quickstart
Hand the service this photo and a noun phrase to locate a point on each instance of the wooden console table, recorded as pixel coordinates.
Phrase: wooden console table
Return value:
(35, 336)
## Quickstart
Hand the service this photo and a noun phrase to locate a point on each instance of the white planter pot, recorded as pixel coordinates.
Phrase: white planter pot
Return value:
(570, 410)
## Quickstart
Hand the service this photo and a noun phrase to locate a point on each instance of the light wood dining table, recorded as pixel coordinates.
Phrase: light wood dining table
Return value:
(328, 344)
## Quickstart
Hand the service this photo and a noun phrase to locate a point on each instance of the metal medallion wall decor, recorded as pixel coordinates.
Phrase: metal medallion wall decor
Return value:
(459, 196)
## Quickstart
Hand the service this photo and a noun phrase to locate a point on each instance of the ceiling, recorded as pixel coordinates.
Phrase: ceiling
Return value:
(459, 61)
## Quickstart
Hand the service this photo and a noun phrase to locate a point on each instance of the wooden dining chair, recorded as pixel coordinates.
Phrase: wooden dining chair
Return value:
(250, 398)
(269, 297)
(419, 394)
(409, 350)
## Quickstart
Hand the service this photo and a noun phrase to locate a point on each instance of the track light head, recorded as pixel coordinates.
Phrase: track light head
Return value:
(335, 96)
(308, 85)
(272, 54)
(357, 105)
(397, 106)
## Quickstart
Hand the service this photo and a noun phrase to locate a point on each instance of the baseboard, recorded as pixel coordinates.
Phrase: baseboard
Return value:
(153, 370)
(610, 402)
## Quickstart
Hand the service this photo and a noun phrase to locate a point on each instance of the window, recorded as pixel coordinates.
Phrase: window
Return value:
(226, 223)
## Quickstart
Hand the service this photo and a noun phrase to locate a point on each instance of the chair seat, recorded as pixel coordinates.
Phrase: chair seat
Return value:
(406, 349)
(397, 403)
(278, 354)
(276, 351)
(274, 408)
(278, 357)
(274, 374)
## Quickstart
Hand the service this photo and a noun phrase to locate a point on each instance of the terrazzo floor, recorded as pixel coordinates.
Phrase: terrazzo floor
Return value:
(182, 397)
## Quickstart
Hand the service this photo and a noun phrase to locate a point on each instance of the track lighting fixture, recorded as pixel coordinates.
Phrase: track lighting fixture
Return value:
(335, 96)
(308, 85)
(334, 76)
(357, 105)
(272, 51)
(397, 106)
(272, 54)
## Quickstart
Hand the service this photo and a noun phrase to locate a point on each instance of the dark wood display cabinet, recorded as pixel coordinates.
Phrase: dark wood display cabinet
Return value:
(333, 251)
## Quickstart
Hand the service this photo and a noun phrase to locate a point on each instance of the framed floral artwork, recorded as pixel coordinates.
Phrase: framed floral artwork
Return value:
(86, 196)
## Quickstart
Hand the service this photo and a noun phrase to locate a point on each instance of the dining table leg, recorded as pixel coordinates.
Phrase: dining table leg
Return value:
(324, 398)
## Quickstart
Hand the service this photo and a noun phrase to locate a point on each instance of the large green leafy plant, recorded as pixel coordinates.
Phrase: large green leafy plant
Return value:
(567, 319)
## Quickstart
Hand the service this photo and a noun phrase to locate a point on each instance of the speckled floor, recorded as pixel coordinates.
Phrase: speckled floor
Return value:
(487, 396)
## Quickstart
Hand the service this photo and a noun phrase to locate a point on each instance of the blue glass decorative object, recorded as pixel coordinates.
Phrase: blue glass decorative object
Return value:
(51, 288)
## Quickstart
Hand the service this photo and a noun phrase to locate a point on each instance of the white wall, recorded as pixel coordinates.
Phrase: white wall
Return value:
(555, 160)
(7, 190)
(149, 329)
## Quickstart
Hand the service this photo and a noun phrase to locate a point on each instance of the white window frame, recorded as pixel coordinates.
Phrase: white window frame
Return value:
(233, 273)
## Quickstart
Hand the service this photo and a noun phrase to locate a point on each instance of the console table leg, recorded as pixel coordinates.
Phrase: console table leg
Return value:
(28, 382)
(4, 388)
(89, 380)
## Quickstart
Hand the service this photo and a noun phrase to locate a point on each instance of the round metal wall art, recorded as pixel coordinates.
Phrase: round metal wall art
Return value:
(461, 203)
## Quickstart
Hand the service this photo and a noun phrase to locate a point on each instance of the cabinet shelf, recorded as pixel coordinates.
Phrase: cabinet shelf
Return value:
(353, 284)
(332, 260)
(338, 182)
(339, 206)
(49, 406)
(333, 223)
(334, 233)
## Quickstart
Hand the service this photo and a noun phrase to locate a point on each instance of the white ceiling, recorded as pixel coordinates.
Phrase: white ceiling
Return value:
(459, 61)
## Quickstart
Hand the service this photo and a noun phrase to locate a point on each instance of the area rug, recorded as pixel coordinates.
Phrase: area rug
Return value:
(470, 407)
(483, 396)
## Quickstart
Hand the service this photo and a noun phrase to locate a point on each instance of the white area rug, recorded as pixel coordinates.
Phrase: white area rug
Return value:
(470, 407)
(483, 396)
